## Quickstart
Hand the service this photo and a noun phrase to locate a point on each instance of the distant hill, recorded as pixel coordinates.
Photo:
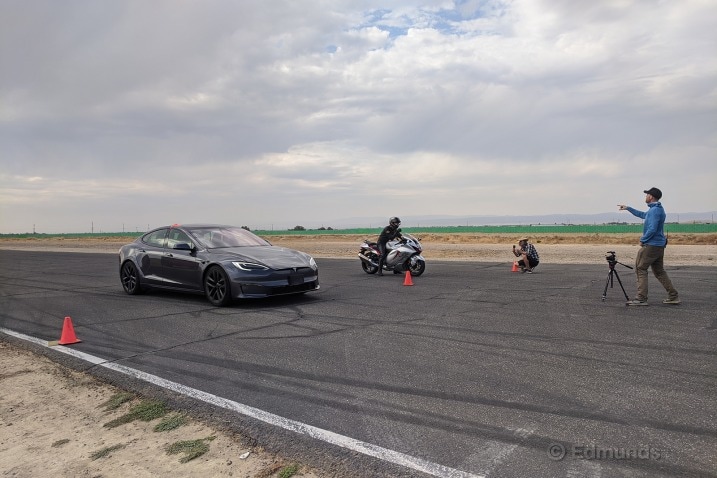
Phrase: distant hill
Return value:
(438, 220)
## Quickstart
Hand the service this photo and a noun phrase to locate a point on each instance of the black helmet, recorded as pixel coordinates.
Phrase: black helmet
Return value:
(395, 221)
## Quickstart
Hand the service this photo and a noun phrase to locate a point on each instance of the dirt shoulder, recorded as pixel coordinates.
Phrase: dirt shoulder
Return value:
(688, 249)
(683, 250)
(52, 423)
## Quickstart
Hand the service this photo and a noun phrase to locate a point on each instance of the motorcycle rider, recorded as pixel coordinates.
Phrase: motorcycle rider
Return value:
(388, 233)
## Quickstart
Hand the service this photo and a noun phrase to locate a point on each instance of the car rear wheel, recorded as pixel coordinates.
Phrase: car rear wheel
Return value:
(130, 278)
(216, 287)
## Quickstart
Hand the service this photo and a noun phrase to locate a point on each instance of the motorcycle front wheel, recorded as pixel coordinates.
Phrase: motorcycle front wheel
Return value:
(368, 268)
(417, 269)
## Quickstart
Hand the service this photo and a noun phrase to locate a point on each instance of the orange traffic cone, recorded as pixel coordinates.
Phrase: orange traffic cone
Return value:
(68, 333)
(515, 267)
(408, 280)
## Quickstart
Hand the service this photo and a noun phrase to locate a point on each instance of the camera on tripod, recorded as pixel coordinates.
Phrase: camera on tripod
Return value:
(612, 261)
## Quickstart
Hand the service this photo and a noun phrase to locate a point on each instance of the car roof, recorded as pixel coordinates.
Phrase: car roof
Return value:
(190, 226)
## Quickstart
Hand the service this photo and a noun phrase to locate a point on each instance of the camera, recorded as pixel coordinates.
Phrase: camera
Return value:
(612, 260)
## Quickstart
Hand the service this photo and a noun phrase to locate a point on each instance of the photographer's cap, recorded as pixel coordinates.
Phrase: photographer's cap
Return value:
(654, 192)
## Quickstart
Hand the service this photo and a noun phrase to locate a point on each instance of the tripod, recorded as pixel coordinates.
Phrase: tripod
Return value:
(611, 261)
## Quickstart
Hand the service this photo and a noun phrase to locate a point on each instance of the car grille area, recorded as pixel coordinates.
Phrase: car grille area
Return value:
(264, 291)
(282, 282)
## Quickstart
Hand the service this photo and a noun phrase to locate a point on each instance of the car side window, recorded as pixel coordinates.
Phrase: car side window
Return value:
(178, 237)
(155, 238)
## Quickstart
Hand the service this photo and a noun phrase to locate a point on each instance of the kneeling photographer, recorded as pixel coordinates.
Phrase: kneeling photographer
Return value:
(528, 254)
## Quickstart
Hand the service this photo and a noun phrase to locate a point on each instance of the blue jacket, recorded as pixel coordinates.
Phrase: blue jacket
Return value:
(652, 229)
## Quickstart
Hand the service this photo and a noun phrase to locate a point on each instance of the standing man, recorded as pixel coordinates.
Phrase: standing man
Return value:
(528, 254)
(652, 249)
(388, 233)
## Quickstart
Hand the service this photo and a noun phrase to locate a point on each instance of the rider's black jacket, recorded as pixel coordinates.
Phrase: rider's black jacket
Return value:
(389, 233)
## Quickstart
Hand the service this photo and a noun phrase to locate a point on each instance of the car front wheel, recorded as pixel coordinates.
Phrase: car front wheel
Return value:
(130, 278)
(216, 287)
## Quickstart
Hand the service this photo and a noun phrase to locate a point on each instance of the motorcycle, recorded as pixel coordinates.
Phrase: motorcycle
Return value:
(402, 255)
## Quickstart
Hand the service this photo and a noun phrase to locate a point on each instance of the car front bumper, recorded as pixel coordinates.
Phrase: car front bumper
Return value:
(275, 283)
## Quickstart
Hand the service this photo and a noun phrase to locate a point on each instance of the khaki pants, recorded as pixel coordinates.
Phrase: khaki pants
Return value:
(652, 256)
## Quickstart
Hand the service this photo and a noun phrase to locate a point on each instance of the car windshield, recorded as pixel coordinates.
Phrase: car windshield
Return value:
(214, 237)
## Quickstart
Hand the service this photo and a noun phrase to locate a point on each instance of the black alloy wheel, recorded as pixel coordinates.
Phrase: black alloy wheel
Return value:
(216, 287)
(130, 278)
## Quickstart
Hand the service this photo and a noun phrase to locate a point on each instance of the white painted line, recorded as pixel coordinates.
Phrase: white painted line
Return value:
(349, 443)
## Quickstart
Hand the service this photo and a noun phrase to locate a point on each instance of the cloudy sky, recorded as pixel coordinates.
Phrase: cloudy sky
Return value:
(127, 114)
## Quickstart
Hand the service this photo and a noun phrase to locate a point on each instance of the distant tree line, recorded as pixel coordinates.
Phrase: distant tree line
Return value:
(298, 228)
(302, 228)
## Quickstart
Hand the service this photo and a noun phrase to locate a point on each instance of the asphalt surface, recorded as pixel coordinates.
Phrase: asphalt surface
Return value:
(474, 367)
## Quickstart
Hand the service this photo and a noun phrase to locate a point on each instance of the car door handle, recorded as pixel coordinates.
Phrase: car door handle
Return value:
(168, 254)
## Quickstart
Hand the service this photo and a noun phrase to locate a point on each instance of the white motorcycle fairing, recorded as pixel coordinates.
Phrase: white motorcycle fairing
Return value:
(401, 255)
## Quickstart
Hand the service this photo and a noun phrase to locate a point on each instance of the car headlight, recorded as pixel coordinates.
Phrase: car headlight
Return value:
(250, 266)
(312, 263)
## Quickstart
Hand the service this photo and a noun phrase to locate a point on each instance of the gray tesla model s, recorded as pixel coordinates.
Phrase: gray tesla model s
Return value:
(222, 262)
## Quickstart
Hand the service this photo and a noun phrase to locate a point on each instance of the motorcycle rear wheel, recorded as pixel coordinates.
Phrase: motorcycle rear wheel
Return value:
(368, 268)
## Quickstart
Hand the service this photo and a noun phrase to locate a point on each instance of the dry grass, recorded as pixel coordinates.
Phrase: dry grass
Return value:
(145, 411)
(190, 448)
(107, 451)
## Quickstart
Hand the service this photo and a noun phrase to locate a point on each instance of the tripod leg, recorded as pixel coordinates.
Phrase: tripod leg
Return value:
(620, 282)
(608, 282)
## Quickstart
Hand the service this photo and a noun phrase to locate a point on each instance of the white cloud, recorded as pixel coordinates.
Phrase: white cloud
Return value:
(432, 107)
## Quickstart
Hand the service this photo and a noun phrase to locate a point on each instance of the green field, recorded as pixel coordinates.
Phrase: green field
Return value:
(674, 228)
(530, 229)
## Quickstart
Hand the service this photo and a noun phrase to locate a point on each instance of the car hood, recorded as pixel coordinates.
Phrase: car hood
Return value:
(271, 256)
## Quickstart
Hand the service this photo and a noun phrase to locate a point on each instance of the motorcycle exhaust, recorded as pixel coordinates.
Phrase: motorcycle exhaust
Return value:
(365, 258)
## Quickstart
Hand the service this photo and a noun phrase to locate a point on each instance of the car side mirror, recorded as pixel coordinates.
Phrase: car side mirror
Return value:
(183, 246)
